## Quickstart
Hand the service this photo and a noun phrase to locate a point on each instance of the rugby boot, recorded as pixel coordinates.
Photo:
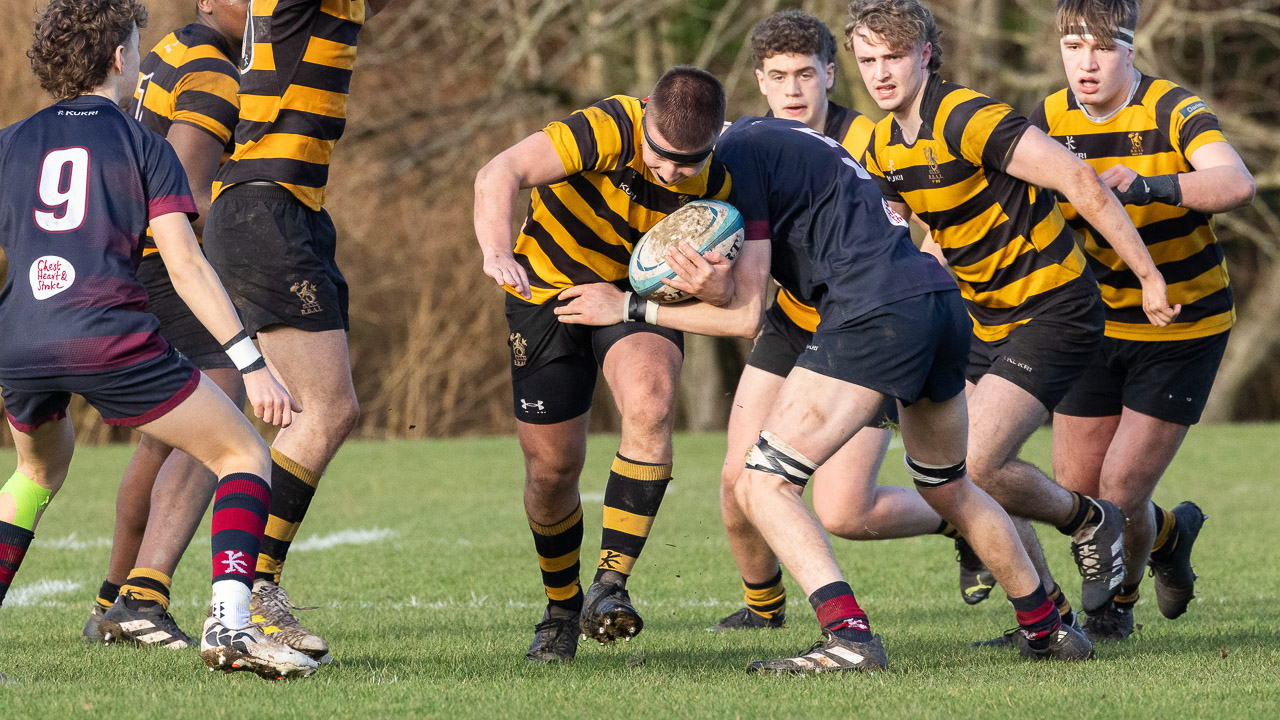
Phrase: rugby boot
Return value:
(1175, 580)
(1010, 638)
(1098, 549)
(830, 654)
(745, 619)
(90, 631)
(150, 626)
(249, 649)
(976, 581)
(1067, 644)
(555, 639)
(607, 614)
(270, 609)
(1112, 622)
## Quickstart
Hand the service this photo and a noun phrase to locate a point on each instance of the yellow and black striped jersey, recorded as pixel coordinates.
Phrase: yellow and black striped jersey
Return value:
(1155, 134)
(853, 130)
(582, 229)
(1012, 253)
(295, 75)
(188, 78)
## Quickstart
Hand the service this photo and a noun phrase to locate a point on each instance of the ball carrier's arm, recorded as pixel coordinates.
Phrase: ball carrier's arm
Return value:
(741, 316)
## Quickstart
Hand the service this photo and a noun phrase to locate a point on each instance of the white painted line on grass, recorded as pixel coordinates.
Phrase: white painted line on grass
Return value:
(38, 592)
(343, 537)
(72, 542)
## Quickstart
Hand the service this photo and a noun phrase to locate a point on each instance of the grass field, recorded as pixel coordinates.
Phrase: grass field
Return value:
(420, 558)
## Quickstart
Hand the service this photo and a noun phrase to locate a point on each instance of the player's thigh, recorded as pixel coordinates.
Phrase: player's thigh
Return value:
(1139, 453)
(208, 427)
(847, 480)
(643, 369)
(757, 390)
(817, 414)
(44, 452)
(554, 453)
(1002, 416)
(314, 366)
(1080, 447)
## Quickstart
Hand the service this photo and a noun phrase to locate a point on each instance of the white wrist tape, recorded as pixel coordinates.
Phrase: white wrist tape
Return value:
(651, 312)
(242, 351)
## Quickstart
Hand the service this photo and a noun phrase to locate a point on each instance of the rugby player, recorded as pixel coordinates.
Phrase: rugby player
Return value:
(601, 178)
(972, 170)
(795, 55)
(892, 325)
(1160, 149)
(272, 242)
(83, 181)
(186, 92)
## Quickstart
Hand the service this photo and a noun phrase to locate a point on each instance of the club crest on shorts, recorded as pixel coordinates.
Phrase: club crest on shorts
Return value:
(519, 346)
(306, 292)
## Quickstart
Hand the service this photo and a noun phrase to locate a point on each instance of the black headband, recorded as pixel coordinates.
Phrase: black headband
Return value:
(672, 155)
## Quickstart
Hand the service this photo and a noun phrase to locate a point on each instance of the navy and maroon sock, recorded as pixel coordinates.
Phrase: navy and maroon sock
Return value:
(838, 612)
(14, 542)
(1038, 618)
(240, 507)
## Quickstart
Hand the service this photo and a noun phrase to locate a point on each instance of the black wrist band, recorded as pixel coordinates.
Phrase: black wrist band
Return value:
(635, 308)
(242, 335)
(258, 364)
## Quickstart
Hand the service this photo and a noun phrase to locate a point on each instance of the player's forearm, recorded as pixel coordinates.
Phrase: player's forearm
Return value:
(1217, 189)
(743, 314)
(1099, 207)
(496, 190)
(198, 286)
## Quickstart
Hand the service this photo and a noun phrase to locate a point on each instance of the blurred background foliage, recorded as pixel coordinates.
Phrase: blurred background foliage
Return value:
(441, 87)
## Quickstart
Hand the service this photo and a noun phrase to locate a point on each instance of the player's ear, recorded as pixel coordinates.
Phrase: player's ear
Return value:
(760, 80)
(926, 54)
(117, 60)
(831, 75)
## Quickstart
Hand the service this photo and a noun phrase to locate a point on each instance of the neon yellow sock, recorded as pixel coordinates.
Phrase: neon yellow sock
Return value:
(28, 497)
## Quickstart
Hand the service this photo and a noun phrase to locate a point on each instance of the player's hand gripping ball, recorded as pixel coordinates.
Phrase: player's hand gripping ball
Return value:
(705, 224)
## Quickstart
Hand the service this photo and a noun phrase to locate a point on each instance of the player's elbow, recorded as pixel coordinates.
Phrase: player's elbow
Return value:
(1242, 189)
(748, 321)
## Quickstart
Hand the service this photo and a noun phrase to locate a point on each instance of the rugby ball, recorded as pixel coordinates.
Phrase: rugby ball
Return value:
(705, 224)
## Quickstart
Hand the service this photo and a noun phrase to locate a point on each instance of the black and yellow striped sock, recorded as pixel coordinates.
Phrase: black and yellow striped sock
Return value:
(1063, 605)
(146, 587)
(946, 529)
(1128, 597)
(559, 547)
(631, 501)
(107, 595)
(1165, 523)
(767, 599)
(292, 487)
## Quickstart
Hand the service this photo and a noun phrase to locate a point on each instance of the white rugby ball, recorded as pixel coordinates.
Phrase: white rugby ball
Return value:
(705, 224)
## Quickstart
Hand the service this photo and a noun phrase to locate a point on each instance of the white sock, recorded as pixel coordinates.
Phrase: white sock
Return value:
(231, 603)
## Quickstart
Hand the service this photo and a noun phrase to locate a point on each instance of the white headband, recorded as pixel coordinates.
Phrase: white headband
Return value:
(1080, 31)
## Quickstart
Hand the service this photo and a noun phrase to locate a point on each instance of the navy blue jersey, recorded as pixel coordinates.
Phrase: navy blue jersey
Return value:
(836, 244)
(81, 182)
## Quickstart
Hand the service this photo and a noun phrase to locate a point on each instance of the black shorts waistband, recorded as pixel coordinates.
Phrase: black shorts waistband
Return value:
(261, 190)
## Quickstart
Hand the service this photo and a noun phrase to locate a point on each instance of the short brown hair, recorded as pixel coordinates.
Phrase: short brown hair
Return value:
(902, 24)
(1101, 18)
(75, 41)
(792, 32)
(687, 106)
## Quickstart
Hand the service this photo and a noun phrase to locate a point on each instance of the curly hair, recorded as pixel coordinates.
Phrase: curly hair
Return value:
(1099, 18)
(902, 24)
(687, 106)
(75, 42)
(792, 32)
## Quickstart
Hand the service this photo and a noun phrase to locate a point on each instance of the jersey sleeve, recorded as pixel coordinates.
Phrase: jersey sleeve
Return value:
(749, 193)
(206, 97)
(984, 132)
(1193, 125)
(1039, 118)
(599, 138)
(164, 179)
(858, 139)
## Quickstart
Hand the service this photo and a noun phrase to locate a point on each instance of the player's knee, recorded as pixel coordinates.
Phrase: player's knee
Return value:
(345, 415)
(551, 475)
(843, 521)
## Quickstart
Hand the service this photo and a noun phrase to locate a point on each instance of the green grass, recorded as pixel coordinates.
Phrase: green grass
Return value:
(434, 619)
